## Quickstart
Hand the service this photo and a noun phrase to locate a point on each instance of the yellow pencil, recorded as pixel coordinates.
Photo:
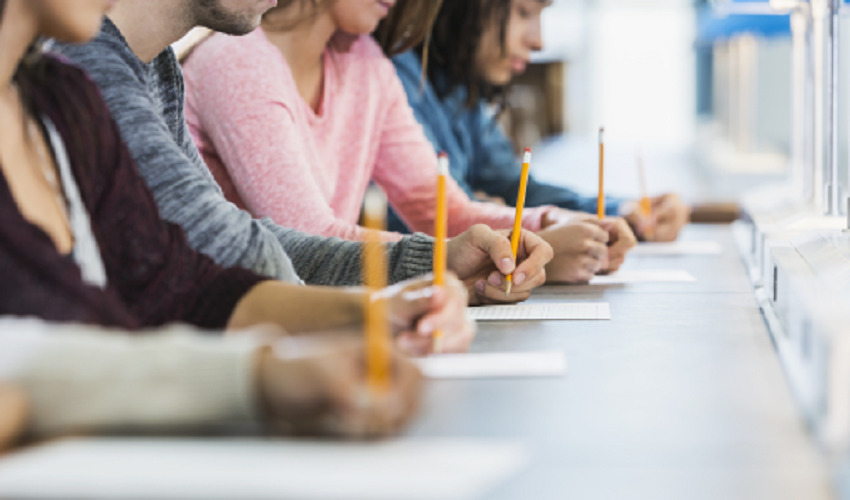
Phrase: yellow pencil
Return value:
(440, 233)
(520, 203)
(600, 200)
(645, 202)
(375, 278)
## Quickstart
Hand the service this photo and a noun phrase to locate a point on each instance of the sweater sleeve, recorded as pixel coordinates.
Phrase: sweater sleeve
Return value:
(185, 192)
(333, 261)
(406, 169)
(148, 261)
(81, 378)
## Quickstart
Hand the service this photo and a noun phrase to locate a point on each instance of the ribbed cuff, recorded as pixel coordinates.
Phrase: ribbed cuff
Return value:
(412, 256)
(225, 379)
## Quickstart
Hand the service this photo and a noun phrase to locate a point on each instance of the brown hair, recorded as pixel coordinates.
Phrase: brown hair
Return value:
(408, 23)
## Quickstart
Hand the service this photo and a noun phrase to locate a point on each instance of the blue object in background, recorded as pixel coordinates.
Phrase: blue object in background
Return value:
(714, 24)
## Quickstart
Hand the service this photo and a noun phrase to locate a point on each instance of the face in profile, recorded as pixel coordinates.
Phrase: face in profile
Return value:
(497, 64)
(234, 17)
(360, 17)
(72, 21)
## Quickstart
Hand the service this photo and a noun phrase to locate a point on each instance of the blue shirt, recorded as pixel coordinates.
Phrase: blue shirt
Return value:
(480, 154)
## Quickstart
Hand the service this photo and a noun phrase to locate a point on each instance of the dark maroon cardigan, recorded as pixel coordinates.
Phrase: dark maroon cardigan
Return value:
(154, 277)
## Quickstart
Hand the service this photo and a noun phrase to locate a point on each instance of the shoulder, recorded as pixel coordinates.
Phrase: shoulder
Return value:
(62, 81)
(222, 53)
(408, 65)
(106, 57)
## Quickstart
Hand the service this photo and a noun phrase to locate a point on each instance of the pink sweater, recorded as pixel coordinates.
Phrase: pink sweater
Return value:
(274, 156)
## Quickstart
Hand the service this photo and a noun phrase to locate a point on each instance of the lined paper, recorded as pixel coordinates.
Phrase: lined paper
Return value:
(542, 311)
(630, 276)
(260, 469)
(494, 365)
(678, 248)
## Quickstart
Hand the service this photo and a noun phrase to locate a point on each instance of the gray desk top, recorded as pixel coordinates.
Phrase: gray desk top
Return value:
(680, 395)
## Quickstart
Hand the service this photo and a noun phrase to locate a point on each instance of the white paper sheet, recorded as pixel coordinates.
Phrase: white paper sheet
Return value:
(495, 365)
(542, 311)
(630, 276)
(678, 248)
(259, 469)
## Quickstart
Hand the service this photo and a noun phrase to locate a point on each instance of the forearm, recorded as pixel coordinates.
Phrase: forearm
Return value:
(83, 378)
(299, 309)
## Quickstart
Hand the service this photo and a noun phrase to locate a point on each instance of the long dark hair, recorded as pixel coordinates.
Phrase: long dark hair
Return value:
(454, 42)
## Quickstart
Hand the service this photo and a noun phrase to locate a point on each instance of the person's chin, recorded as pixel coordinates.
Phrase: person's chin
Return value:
(501, 80)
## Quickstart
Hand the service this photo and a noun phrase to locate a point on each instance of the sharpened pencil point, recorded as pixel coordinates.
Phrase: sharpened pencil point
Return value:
(508, 289)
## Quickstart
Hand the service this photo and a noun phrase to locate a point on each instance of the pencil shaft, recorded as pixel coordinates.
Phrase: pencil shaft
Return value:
(440, 233)
(375, 278)
(520, 204)
(600, 200)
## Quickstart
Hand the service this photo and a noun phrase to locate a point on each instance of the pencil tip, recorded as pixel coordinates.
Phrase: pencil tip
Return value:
(508, 290)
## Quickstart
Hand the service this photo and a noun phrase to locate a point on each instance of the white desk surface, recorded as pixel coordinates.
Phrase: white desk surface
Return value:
(680, 395)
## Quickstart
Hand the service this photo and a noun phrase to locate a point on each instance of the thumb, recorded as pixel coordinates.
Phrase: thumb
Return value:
(497, 248)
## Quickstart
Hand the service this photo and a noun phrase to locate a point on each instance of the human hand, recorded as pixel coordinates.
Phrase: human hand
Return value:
(417, 309)
(482, 257)
(621, 239)
(309, 387)
(557, 216)
(669, 215)
(580, 251)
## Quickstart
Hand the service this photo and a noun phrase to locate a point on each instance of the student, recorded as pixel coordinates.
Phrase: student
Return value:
(80, 241)
(477, 48)
(298, 117)
(88, 379)
(135, 68)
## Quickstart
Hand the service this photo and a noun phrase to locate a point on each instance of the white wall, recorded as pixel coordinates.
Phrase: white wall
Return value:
(631, 67)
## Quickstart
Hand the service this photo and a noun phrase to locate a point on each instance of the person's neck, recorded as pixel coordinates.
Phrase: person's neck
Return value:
(304, 45)
(18, 30)
(150, 26)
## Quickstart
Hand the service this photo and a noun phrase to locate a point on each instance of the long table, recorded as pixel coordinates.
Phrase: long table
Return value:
(680, 395)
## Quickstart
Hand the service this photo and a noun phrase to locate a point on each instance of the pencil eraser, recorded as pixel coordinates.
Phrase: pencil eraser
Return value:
(443, 163)
(526, 156)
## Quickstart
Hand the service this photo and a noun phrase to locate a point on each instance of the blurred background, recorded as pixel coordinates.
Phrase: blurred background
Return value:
(702, 88)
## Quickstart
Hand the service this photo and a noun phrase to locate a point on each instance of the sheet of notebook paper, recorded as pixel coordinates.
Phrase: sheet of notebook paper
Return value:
(543, 311)
(494, 365)
(260, 469)
(678, 248)
(630, 276)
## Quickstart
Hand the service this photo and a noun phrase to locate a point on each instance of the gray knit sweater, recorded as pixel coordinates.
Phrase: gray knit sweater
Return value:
(147, 100)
